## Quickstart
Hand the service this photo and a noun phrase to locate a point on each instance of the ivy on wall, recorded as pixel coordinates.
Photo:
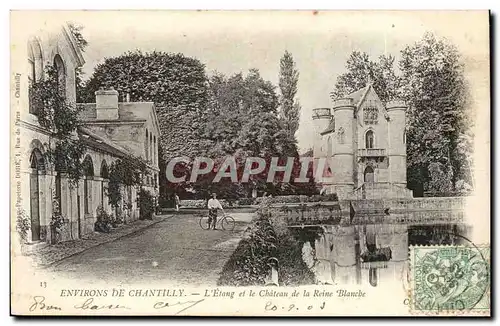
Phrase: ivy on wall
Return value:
(124, 172)
(48, 102)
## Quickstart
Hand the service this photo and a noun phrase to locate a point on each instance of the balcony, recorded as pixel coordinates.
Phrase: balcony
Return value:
(371, 152)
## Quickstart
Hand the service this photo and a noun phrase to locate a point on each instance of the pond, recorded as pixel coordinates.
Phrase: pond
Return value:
(371, 254)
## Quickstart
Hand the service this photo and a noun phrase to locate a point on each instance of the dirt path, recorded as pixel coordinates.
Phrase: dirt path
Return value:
(174, 251)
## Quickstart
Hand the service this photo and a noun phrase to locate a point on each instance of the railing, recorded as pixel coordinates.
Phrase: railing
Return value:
(371, 152)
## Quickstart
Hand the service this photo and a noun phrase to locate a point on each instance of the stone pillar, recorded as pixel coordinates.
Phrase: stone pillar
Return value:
(65, 204)
(88, 217)
(106, 205)
(72, 207)
(151, 146)
(154, 151)
(98, 182)
(146, 146)
(47, 187)
(133, 210)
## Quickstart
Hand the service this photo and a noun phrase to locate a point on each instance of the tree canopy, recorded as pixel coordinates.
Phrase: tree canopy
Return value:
(439, 122)
(360, 69)
(175, 83)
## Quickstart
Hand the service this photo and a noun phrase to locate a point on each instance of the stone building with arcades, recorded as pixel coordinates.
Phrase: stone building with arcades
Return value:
(109, 130)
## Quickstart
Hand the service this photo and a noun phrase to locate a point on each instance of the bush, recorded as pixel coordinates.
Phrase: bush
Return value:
(23, 225)
(146, 205)
(246, 201)
(269, 241)
(103, 221)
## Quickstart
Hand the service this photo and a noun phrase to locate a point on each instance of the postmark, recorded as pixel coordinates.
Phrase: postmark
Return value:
(450, 279)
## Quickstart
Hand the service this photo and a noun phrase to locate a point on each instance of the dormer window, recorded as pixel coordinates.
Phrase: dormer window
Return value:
(371, 115)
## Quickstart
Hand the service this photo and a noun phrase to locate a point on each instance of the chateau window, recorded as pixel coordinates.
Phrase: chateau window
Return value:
(369, 139)
(371, 115)
(341, 135)
(61, 74)
(404, 137)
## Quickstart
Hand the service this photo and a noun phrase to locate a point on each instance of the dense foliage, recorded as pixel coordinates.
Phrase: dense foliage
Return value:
(269, 245)
(439, 141)
(146, 205)
(23, 225)
(175, 83)
(199, 116)
(360, 69)
(124, 172)
(431, 81)
(60, 117)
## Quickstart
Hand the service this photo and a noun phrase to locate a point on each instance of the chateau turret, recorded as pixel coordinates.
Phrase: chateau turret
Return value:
(343, 146)
(397, 142)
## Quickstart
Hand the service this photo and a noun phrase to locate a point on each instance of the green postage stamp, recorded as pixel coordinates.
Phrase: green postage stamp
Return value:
(450, 279)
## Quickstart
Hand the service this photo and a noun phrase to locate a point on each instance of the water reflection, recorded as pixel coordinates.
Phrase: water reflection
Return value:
(370, 253)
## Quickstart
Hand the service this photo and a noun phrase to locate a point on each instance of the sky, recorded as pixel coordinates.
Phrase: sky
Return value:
(233, 42)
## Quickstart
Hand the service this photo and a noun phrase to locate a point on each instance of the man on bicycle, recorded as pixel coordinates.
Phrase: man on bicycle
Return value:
(213, 206)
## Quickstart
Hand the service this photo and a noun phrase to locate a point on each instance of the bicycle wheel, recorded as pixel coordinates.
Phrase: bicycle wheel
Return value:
(228, 223)
(204, 223)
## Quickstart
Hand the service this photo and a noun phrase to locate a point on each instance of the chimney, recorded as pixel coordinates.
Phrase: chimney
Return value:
(106, 104)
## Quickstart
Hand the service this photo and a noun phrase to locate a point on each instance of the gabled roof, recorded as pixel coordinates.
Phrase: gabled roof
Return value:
(359, 95)
(73, 45)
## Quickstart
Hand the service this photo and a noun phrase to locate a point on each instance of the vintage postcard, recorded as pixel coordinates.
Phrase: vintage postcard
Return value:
(250, 163)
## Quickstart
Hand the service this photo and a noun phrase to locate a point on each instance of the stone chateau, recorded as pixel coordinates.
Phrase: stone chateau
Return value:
(364, 143)
(110, 130)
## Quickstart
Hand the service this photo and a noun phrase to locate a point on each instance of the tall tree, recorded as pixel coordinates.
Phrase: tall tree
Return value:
(361, 69)
(175, 83)
(439, 121)
(289, 106)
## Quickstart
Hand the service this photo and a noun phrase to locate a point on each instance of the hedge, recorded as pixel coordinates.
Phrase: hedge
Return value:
(296, 199)
(201, 203)
(290, 199)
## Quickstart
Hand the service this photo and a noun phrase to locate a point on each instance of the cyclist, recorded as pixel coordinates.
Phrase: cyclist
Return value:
(213, 206)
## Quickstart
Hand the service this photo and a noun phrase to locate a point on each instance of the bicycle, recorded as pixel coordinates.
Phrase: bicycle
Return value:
(226, 222)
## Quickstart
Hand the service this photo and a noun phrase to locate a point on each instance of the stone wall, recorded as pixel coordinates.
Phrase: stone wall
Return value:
(400, 211)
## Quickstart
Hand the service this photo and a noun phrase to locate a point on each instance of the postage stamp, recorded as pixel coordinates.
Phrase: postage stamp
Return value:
(446, 279)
